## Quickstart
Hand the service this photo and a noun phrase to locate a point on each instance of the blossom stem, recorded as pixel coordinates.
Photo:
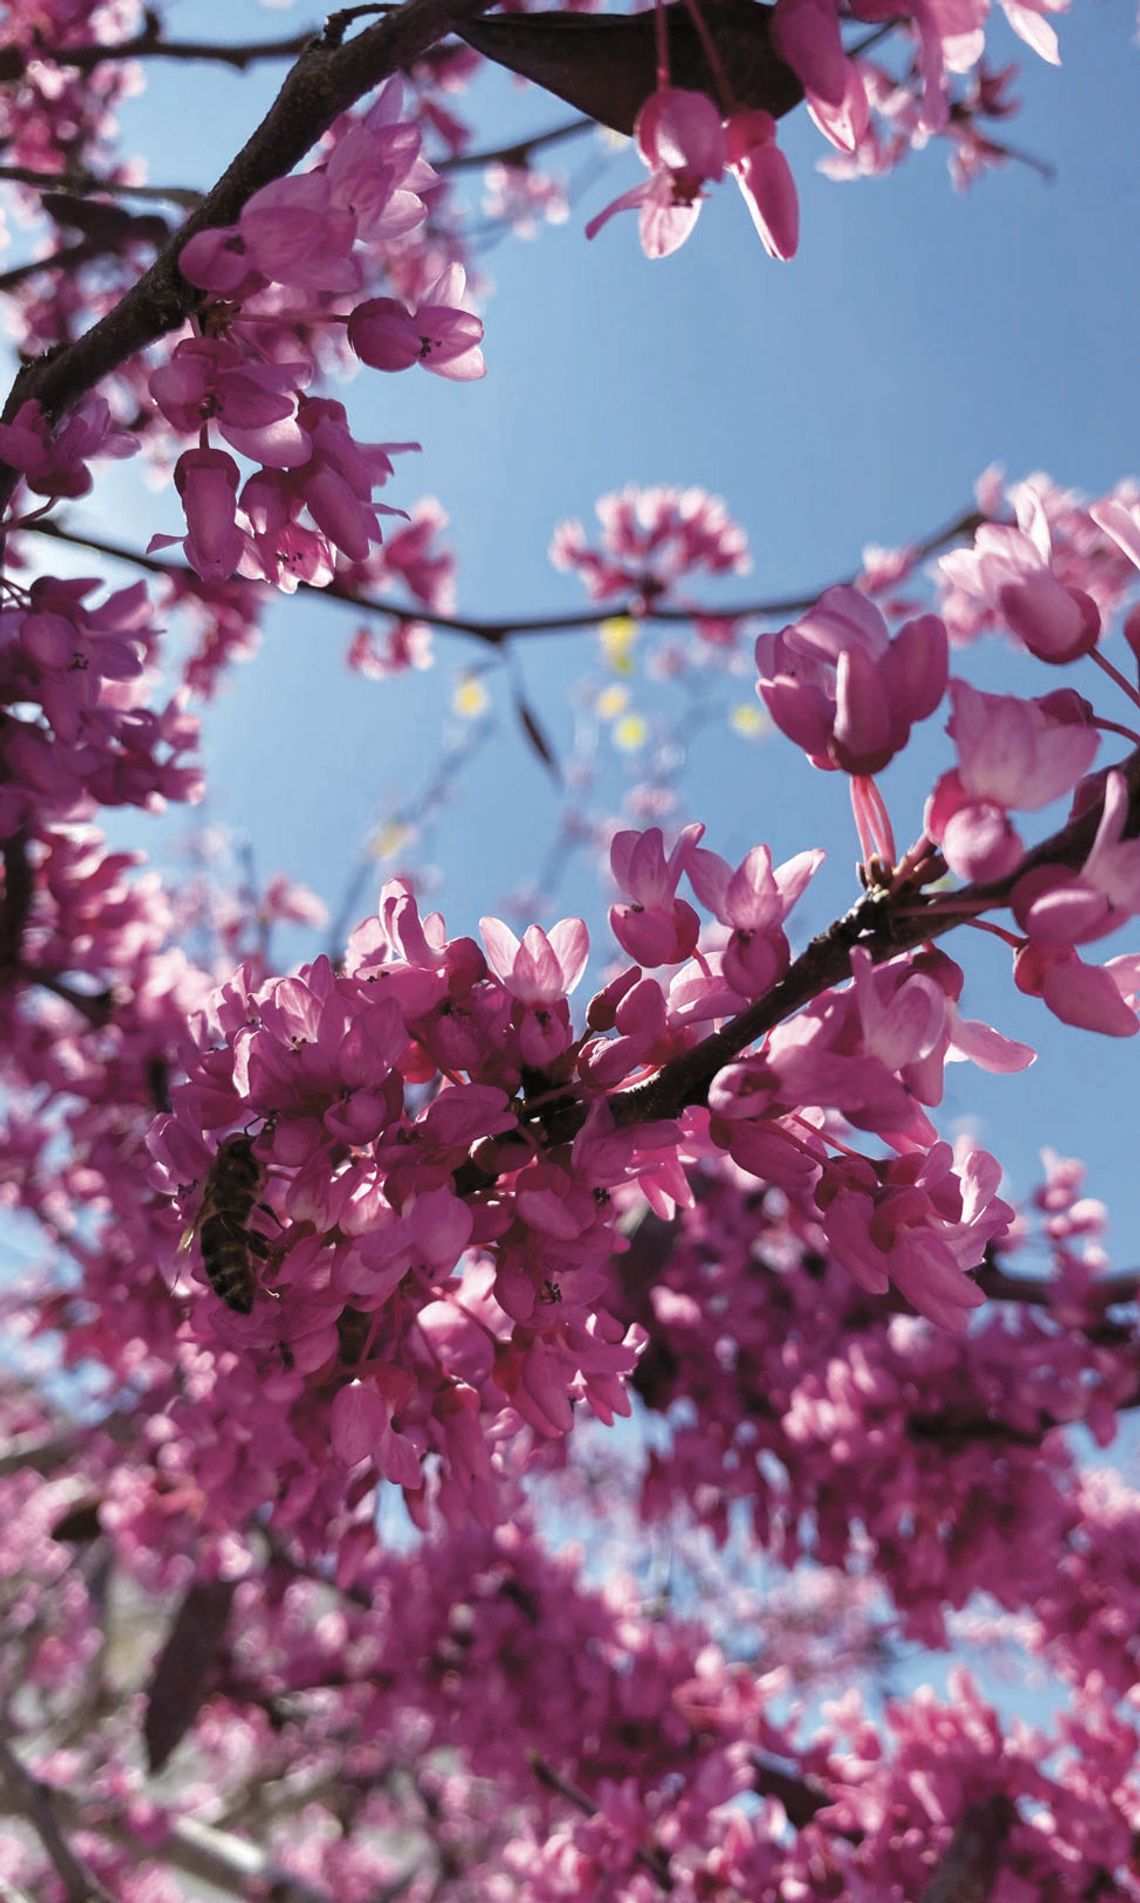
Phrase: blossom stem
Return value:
(712, 54)
(1114, 674)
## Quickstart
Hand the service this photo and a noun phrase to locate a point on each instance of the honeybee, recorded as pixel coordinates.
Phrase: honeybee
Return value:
(225, 1240)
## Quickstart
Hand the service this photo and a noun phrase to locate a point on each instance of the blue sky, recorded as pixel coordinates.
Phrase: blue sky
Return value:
(849, 397)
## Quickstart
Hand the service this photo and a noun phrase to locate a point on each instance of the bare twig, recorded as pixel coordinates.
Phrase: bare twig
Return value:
(150, 44)
(497, 632)
(88, 184)
(1041, 1291)
(519, 153)
(67, 258)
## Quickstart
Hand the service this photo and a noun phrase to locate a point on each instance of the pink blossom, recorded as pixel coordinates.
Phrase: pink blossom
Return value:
(1092, 997)
(1121, 521)
(294, 233)
(1012, 754)
(1027, 18)
(207, 480)
(651, 538)
(923, 1227)
(544, 966)
(765, 180)
(253, 405)
(805, 34)
(753, 901)
(437, 333)
(837, 684)
(681, 142)
(1057, 907)
(1010, 570)
(53, 458)
(655, 927)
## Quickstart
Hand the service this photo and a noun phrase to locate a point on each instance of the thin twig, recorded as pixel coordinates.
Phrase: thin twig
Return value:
(67, 258)
(151, 45)
(87, 185)
(519, 153)
(495, 633)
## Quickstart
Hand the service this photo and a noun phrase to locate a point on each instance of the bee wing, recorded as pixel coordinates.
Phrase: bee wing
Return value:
(190, 1232)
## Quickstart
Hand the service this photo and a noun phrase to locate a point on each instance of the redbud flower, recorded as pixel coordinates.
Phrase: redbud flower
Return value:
(753, 901)
(656, 927)
(1092, 997)
(1012, 754)
(1010, 570)
(765, 178)
(207, 480)
(437, 334)
(680, 140)
(1121, 522)
(838, 686)
(805, 33)
(1058, 907)
(53, 458)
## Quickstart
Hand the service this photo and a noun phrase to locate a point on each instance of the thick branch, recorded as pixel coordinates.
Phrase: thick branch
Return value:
(656, 1861)
(969, 1869)
(1040, 1291)
(327, 79)
(883, 929)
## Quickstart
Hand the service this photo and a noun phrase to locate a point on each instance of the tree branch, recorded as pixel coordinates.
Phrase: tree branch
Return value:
(327, 79)
(519, 153)
(882, 930)
(35, 1801)
(496, 633)
(150, 44)
(969, 1870)
(656, 1861)
(87, 184)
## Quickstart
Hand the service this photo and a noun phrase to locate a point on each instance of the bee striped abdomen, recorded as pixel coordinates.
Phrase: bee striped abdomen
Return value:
(227, 1260)
(226, 1242)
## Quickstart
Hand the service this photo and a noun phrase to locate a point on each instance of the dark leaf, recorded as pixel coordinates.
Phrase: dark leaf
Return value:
(182, 1669)
(606, 64)
(536, 737)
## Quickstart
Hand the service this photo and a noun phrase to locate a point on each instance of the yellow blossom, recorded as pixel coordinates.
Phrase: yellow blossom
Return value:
(618, 637)
(749, 720)
(469, 698)
(611, 702)
(630, 733)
